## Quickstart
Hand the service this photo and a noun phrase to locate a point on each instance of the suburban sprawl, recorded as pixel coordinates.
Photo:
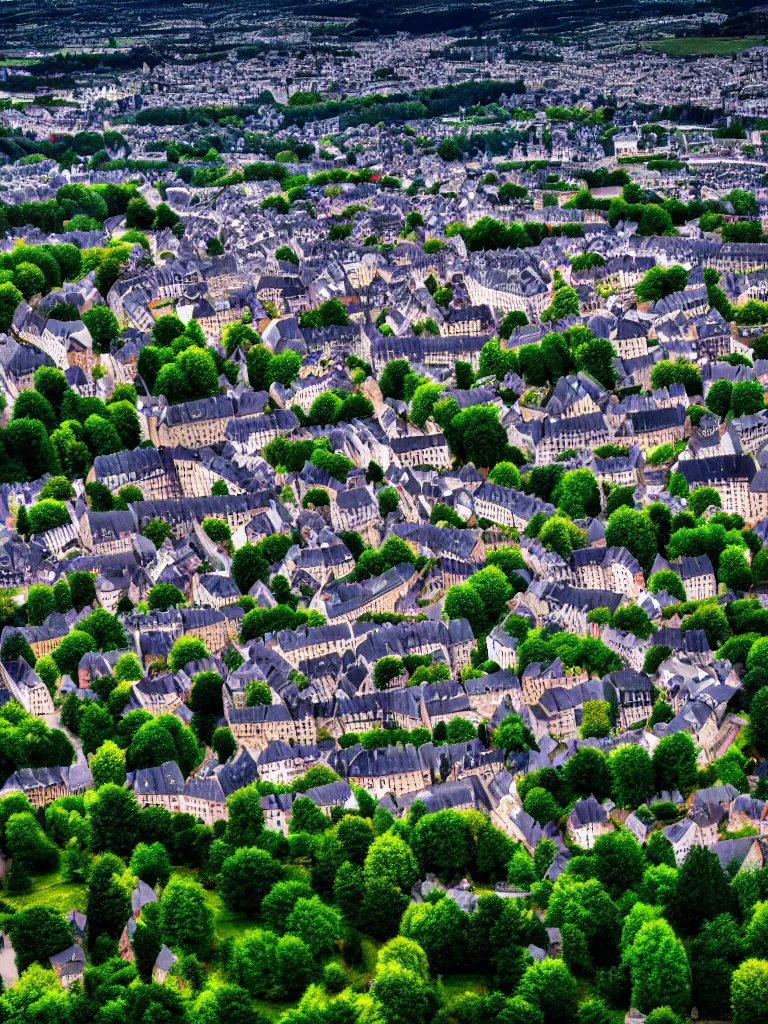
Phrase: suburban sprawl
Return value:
(383, 520)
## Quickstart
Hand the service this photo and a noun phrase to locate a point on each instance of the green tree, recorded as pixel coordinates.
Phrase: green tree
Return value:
(586, 772)
(595, 357)
(106, 630)
(659, 969)
(596, 719)
(34, 406)
(151, 863)
(223, 743)
(37, 933)
(550, 986)
(164, 596)
(186, 920)
(51, 384)
(388, 500)
(58, 487)
(392, 859)
(10, 297)
(82, 588)
(631, 771)
(249, 567)
(103, 326)
(404, 997)
(440, 929)
(246, 818)
(494, 591)
(749, 993)
(185, 650)
(127, 668)
(442, 842)
(719, 397)
(385, 670)
(541, 805)
(701, 498)
(464, 602)
(618, 862)
(284, 368)
(674, 763)
(109, 898)
(734, 571)
(40, 603)
(506, 474)
(257, 693)
(278, 903)
(245, 879)
(71, 650)
(114, 818)
(392, 378)
(632, 530)
(667, 580)
(633, 619)
(108, 765)
(513, 736)
(316, 924)
(701, 892)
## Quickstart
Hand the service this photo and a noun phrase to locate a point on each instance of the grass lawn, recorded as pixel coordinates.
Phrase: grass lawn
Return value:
(226, 923)
(584, 993)
(268, 1010)
(51, 890)
(454, 985)
(704, 46)
(371, 949)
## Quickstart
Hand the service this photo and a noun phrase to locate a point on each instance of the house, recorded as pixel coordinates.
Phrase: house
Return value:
(421, 450)
(587, 822)
(633, 696)
(697, 575)
(345, 602)
(524, 829)
(507, 506)
(205, 793)
(164, 962)
(746, 810)
(742, 854)
(396, 769)
(502, 648)
(42, 786)
(140, 897)
(79, 923)
(69, 965)
(281, 762)
(683, 835)
(355, 509)
(26, 686)
(256, 727)
(158, 787)
(640, 823)
(736, 479)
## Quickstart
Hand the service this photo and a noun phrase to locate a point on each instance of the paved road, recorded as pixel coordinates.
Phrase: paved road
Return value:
(8, 971)
(54, 722)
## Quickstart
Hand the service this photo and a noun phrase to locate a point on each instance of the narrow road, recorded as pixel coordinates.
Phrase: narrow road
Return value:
(8, 971)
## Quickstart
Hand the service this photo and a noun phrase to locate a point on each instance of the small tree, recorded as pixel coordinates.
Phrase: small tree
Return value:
(108, 765)
(385, 670)
(596, 719)
(257, 693)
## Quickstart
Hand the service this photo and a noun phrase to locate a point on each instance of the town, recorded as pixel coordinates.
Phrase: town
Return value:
(383, 517)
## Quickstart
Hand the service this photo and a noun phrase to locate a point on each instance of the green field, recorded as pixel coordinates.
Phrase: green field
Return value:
(53, 891)
(703, 46)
